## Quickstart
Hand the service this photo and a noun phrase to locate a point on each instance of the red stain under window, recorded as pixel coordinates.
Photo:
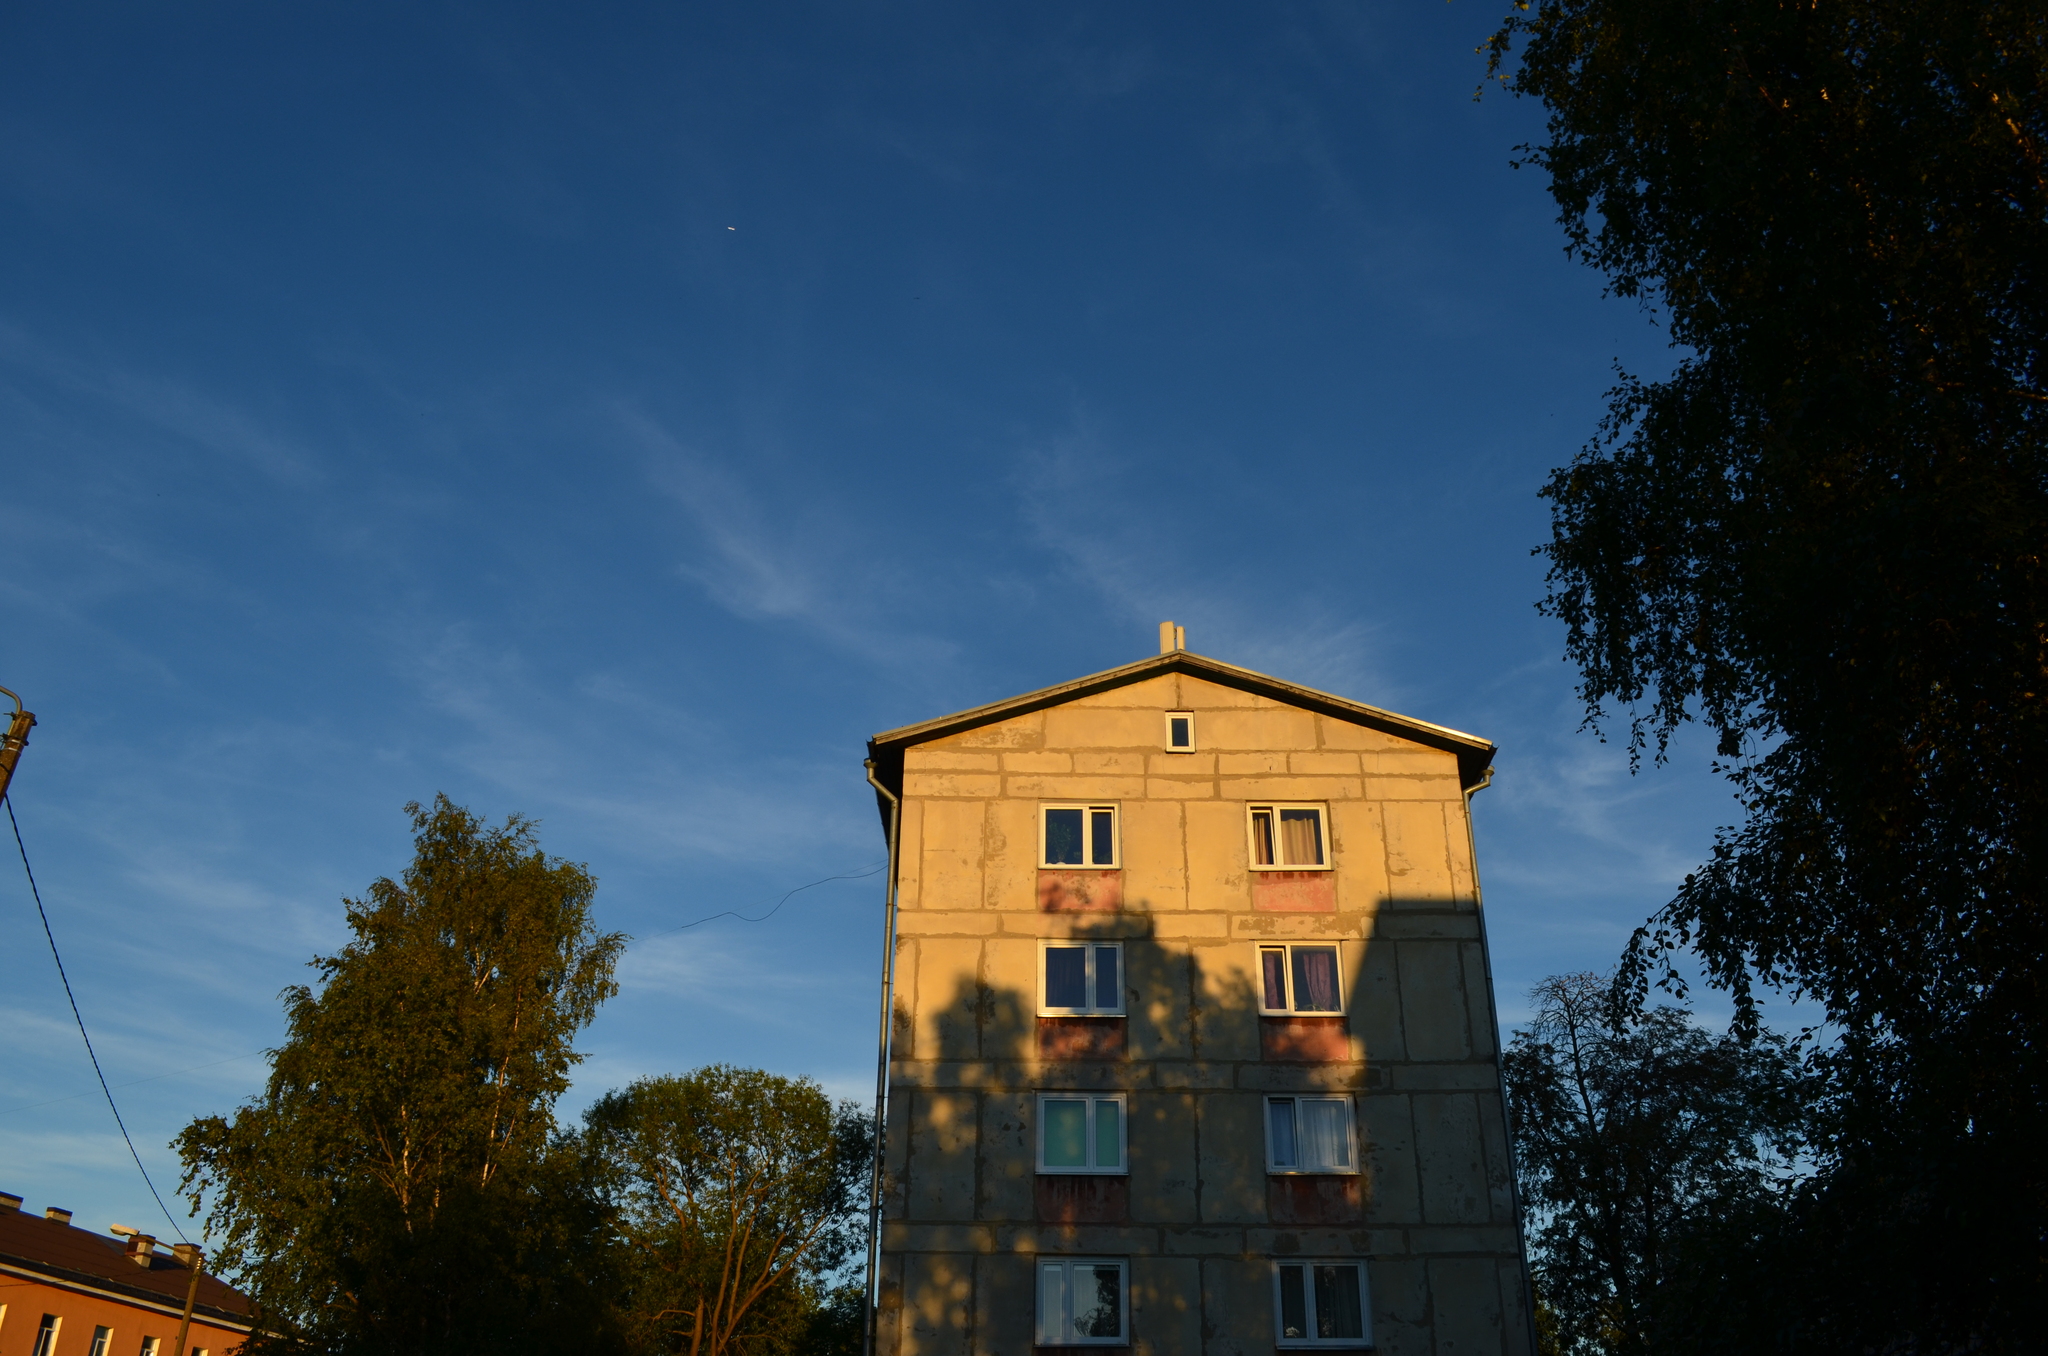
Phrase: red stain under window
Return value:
(1294, 892)
(1080, 891)
(1081, 1038)
(1314, 1039)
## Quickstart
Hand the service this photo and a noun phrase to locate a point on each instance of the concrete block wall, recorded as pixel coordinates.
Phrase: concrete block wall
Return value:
(961, 1230)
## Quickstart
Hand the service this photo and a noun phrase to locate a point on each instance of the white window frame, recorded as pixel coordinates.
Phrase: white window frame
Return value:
(150, 1345)
(1171, 717)
(1251, 836)
(1308, 1299)
(47, 1333)
(102, 1338)
(1279, 1169)
(1092, 1009)
(1287, 975)
(1057, 1330)
(1094, 1101)
(1088, 809)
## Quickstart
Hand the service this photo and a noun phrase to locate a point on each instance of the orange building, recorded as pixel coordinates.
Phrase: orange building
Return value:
(66, 1291)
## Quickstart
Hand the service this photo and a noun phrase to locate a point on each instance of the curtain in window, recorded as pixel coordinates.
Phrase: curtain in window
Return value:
(1262, 837)
(1280, 1112)
(1338, 1311)
(1325, 1134)
(1301, 837)
(1273, 970)
(1315, 979)
(1052, 1303)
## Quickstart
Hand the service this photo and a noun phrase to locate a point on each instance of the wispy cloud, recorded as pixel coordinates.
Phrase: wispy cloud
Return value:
(796, 565)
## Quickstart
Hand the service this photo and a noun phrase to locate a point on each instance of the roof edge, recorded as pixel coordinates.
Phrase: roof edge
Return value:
(1475, 755)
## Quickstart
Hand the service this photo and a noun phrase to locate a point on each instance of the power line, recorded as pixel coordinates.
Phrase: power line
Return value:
(734, 913)
(90, 1052)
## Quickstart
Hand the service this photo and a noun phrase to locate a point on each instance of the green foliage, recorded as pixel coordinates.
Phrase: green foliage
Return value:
(1822, 535)
(399, 1186)
(739, 1194)
(1635, 1132)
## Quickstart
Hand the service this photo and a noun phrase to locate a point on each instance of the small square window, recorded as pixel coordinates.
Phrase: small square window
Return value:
(1321, 1304)
(1301, 977)
(1180, 732)
(1077, 835)
(1309, 1134)
(1081, 1302)
(1080, 1133)
(1081, 979)
(1288, 838)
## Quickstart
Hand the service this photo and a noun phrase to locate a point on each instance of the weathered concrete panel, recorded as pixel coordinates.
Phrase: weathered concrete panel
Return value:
(1233, 1174)
(1387, 1127)
(1162, 1149)
(1465, 1306)
(1155, 856)
(1375, 1003)
(1009, 1153)
(1166, 1306)
(1433, 1009)
(950, 870)
(1418, 851)
(948, 992)
(1452, 1159)
(1257, 730)
(938, 1293)
(942, 1147)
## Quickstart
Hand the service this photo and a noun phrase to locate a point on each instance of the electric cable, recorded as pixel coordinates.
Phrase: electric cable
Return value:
(734, 913)
(76, 1016)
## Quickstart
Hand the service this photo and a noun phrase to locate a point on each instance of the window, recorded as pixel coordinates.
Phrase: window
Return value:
(1078, 835)
(150, 1344)
(1288, 838)
(1081, 979)
(1309, 1134)
(1080, 1133)
(1300, 978)
(1320, 1304)
(100, 1338)
(46, 1334)
(1081, 1303)
(1180, 732)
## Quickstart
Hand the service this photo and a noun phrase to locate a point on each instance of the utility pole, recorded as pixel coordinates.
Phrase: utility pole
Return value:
(188, 1253)
(16, 741)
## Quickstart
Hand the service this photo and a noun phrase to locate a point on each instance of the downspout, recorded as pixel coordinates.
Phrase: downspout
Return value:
(1499, 1052)
(883, 1041)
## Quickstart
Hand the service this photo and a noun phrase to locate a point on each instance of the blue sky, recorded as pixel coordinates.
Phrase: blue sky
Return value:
(615, 414)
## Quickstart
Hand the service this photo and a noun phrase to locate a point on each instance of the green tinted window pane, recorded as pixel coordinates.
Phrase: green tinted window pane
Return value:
(1109, 1151)
(1066, 1134)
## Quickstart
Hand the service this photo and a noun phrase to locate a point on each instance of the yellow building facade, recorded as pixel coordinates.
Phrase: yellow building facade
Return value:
(1193, 1044)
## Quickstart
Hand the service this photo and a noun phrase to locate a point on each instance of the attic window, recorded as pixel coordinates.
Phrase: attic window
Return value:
(1180, 732)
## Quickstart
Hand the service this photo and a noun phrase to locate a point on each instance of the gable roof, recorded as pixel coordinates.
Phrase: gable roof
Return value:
(1474, 754)
(69, 1256)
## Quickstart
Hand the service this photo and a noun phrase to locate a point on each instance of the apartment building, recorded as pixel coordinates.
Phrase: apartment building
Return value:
(1193, 1044)
(67, 1291)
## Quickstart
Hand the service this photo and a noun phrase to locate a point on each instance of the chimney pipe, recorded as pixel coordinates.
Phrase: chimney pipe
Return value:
(1172, 637)
(141, 1249)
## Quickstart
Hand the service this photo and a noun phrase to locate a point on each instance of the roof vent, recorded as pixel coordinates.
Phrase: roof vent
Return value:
(1172, 637)
(56, 1216)
(9, 1202)
(141, 1249)
(187, 1255)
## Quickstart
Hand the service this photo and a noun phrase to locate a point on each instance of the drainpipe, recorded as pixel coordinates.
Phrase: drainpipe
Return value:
(883, 1041)
(1499, 1050)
